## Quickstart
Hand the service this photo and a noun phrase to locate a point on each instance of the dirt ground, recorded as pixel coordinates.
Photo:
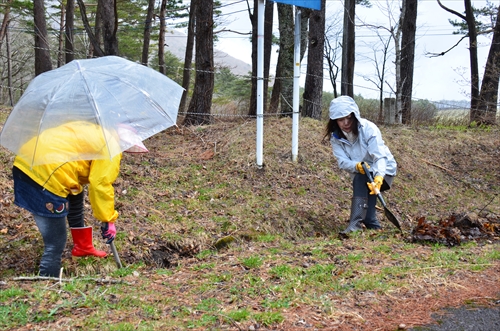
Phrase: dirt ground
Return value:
(441, 173)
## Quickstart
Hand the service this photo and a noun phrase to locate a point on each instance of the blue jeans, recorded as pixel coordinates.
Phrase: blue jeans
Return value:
(54, 234)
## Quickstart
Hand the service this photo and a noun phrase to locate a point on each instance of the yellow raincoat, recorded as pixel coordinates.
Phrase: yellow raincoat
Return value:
(64, 178)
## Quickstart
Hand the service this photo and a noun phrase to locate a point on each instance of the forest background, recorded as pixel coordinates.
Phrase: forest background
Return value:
(136, 28)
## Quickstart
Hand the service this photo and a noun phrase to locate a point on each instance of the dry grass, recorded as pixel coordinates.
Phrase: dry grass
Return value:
(282, 265)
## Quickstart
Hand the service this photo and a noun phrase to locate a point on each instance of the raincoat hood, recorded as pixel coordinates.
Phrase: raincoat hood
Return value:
(368, 146)
(342, 107)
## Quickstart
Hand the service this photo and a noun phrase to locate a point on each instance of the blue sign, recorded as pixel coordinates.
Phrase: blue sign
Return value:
(313, 4)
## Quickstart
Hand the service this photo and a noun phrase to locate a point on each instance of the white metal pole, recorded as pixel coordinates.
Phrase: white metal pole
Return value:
(296, 89)
(260, 84)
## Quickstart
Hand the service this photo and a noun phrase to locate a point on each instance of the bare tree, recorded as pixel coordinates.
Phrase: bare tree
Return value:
(4, 35)
(5, 23)
(107, 11)
(201, 101)
(285, 57)
(488, 96)
(93, 37)
(472, 34)
(147, 32)
(60, 37)
(313, 88)
(42, 53)
(332, 45)
(347, 80)
(394, 28)
(188, 57)
(480, 112)
(161, 37)
(380, 58)
(268, 44)
(254, 19)
(409, 28)
(68, 28)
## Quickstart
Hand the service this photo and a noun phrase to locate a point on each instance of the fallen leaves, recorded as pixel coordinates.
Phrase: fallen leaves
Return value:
(454, 230)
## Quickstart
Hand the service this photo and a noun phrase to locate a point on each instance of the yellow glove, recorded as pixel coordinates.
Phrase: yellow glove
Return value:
(377, 184)
(360, 169)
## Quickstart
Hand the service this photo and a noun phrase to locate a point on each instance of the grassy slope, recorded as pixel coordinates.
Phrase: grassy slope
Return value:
(283, 264)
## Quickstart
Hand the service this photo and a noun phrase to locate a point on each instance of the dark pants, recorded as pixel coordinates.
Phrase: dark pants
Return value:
(54, 234)
(361, 191)
(76, 211)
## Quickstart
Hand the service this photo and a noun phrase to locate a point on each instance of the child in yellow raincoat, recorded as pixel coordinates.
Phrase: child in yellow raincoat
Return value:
(54, 192)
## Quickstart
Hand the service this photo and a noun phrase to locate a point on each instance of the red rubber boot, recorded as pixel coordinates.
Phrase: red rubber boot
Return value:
(82, 240)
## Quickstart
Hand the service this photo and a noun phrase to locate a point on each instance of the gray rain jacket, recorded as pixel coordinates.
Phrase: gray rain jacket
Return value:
(368, 147)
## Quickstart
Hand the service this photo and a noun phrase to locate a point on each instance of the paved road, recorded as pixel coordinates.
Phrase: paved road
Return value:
(466, 319)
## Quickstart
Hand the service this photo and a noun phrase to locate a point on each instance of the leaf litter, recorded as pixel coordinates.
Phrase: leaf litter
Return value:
(199, 187)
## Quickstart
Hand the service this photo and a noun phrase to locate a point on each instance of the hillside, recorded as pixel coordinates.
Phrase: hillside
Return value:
(211, 242)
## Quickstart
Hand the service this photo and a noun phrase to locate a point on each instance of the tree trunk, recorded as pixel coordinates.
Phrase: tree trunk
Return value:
(286, 28)
(9, 69)
(188, 58)
(276, 92)
(147, 32)
(347, 80)
(5, 23)
(201, 101)
(470, 19)
(474, 67)
(396, 35)
(305, 14)
(161, 37)
(268, 44)
(61, 37)
(313, 88)
(70, 24)
(94, 40)
(409, 29)
(42, 53)
(254, 19)
(109, 25)
(488, 97)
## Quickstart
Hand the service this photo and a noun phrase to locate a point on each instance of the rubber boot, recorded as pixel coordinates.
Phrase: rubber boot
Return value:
(371, 222)
(82, 240)
(50, 271)
(358, 213)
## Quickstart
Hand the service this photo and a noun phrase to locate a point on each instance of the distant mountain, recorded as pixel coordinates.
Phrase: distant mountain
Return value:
(175, 41)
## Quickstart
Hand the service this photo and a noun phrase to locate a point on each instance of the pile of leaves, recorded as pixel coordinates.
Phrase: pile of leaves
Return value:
(456, 229)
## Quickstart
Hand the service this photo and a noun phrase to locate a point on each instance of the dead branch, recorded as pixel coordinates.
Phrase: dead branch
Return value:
(452, 11)
(97, 280)
(232, 31)
(449, 49)
(438, 166)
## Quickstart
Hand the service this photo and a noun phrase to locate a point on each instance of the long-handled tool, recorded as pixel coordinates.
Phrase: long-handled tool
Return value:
(111, 243)
(390, 216)
(115, 254)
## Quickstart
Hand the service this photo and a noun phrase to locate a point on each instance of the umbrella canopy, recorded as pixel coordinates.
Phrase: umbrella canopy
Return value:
(109, 92)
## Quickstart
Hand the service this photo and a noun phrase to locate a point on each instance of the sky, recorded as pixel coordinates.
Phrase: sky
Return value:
(435, 78)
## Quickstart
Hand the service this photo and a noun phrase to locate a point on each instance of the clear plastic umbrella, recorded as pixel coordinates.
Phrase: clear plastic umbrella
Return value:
(110, 92)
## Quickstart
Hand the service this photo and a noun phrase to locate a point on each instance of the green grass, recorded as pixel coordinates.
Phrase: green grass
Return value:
(278, 252)
(274, 284)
